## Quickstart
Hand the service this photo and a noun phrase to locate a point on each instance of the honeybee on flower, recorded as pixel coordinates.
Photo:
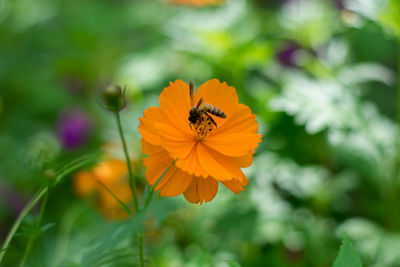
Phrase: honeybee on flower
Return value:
(203, 147)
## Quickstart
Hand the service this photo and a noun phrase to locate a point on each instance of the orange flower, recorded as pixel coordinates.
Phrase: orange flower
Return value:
(197, 2)
(113, 174)
(205, 153)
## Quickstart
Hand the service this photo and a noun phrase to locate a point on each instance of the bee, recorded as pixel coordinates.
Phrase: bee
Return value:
(197, 111)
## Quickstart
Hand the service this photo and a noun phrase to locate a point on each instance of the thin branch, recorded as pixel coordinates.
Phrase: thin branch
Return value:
(128, 162)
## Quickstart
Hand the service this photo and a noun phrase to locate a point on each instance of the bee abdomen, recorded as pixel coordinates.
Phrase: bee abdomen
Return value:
(213, 110)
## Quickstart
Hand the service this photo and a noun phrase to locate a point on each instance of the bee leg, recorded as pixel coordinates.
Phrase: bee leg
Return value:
(212, 120)
(190, 124)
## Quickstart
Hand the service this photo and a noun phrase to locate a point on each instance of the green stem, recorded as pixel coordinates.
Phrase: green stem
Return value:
(78, 161)
(397, 166)
(398, 88)
(34, 200)
(132, 185)
(37, 227)
(125, 207)
(67, 171)
(140, 241)
(128, 162)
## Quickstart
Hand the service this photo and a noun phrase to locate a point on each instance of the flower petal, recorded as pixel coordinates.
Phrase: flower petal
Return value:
(176, 184)
(235, 186)
(150, 117)
(175, 103)
(219, 166)
(221, 96)
(108, 171)
(191, 194)
(191, 164)
(165, 179)
(233, 144)
(178, 143)
(85, 183)
(209, 187)
(150, 149)
(156, 164)
(201, 190)
(243, 161)
(242, 121)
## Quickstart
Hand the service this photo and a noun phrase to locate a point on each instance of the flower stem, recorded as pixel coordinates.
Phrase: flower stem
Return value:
(32, 202)
(128, 162)
(398, 87)
(140, 241)
(35, 235)
(132, 185)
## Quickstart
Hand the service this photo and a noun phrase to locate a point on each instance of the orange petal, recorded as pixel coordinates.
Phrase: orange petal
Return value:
(150, 117)
(235, 186)
(233, 144)
(109, 171)
(191, 194)
(176, 184)
(216, 165)
(175, 103)
(201, 190)
(242, 121)
(191, 164)
(156, 164)
(178, 143)
(220, 95)
(209, 187)
(85, 183)
(150, 149)
(243, 161)
(168, 175)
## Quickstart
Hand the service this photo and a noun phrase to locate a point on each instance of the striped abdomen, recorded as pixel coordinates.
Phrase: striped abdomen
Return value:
(206, 107)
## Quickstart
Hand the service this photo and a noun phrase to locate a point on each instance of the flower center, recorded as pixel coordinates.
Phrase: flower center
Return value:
(203, 126)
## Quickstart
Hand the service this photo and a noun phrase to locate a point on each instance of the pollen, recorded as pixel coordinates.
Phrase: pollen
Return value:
(203, 127)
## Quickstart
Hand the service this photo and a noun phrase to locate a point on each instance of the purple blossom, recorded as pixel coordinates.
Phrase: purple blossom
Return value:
(339, 4)
(73, 128)
(287, 56)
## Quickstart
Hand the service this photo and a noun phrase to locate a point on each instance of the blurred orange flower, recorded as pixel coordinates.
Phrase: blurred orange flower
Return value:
(205, 152)
(197, 2)
(113, 174)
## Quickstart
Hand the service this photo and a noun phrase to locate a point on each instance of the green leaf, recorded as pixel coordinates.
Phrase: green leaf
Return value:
(233, 264)
(347, 256)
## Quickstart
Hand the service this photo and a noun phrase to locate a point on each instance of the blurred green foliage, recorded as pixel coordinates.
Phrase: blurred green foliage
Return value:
(321, 75)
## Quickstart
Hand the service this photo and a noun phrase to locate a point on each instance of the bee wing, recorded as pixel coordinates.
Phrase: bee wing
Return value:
(191, 93)
(199, 103)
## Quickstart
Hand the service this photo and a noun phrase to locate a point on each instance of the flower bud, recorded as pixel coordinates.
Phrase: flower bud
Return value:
(114, 98)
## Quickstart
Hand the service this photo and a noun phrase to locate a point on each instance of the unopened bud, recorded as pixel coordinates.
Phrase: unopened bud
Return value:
(114, 98)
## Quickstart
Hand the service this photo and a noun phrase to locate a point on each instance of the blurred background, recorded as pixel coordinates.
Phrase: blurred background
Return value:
(321, 75)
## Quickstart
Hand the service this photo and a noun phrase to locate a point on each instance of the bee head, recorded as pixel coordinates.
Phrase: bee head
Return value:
(192, 115)
(192, 119)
